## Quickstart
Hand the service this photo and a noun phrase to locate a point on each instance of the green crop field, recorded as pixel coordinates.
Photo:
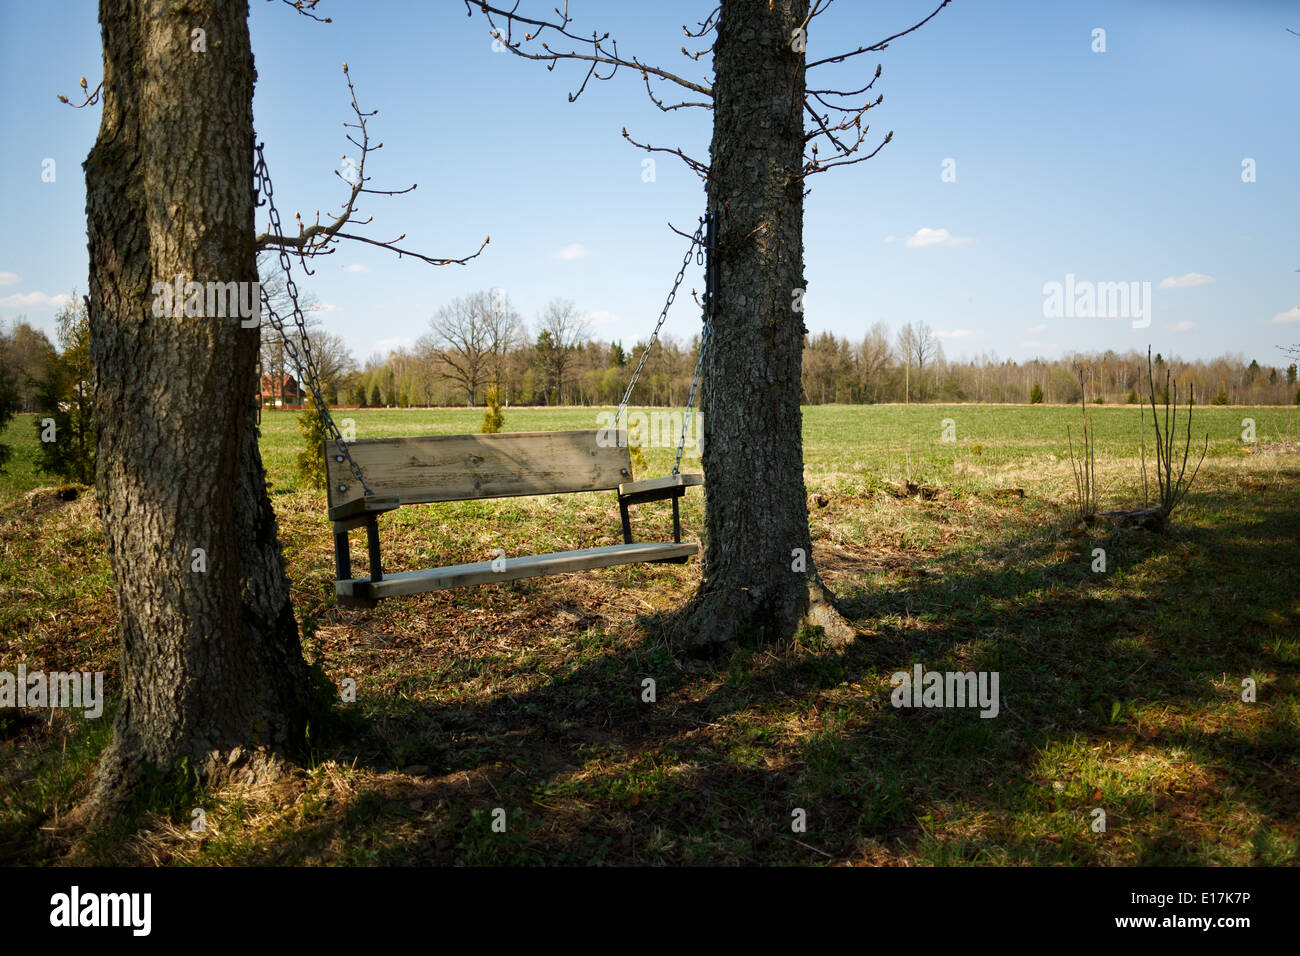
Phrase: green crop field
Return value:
(1121, 688)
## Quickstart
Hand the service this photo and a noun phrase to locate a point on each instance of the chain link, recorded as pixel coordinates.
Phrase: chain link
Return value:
(696, 240)
(304, 363)
(706, 334)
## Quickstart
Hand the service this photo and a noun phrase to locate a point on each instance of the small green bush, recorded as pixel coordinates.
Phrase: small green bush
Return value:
(65, 421)
(492, 418)
(311, 460)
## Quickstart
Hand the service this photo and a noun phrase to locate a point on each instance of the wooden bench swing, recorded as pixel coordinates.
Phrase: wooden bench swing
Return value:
(370, 477)
(407, 471)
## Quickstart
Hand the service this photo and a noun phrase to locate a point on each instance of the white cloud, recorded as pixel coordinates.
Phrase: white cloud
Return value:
(8, 278)
(1183, 326)
(956, 333)
(323, 307)
(574, 250)
(1041, 327)
(35, 300)
(924, 237)
(1282, 318)
(891, 238)
(384, 346)
(1189, 281)
(356, 267)
(600, 317)
(1041, 346)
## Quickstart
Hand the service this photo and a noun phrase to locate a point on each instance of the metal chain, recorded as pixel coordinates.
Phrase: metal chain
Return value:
(706, 334)
(696, 240)
(304, 364)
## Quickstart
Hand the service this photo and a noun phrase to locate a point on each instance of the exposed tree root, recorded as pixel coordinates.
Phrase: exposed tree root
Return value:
(720, 618)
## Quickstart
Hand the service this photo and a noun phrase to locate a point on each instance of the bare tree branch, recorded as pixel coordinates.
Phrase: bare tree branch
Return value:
(660, 103)
(837, 114)
(700, 169)
(91, 98)
(708, 25)
(839, 117)
(875, 47)
(600, 55)
(305, 7)
(315, 240)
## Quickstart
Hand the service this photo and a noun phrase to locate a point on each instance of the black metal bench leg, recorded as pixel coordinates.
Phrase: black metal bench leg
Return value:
(342, 557)
(677, 523)
(372, 542)
(627, 522)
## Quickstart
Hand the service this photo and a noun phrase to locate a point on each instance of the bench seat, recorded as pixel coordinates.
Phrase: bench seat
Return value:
(361, 592)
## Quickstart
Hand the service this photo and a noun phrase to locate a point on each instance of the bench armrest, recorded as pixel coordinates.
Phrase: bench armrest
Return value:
(653, 489)
(361, 507)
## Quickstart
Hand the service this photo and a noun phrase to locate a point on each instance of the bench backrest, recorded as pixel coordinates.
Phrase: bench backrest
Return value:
(461, 467)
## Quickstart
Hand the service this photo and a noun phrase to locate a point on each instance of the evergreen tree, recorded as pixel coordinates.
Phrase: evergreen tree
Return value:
(311, 460)
(9, 402)
(1036, 395)
(492, 418)
(65, 420)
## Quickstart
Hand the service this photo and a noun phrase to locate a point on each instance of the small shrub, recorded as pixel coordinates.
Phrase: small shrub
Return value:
(634, 440)
(311, 460)
(1220, 399)
(1173, 485)
(492, 418)
(1084, 469)
(1132, 398)
(65, 395)
(8, 408)
(1036, 395)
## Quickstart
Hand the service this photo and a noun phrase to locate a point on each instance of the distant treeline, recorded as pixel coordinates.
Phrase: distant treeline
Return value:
(480, 340)
(559, 362)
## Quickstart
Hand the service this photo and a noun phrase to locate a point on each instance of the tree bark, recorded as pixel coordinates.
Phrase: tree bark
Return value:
(210, 659)
(759, 578)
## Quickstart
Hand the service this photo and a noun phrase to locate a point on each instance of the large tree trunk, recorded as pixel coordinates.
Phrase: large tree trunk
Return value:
(210, 658)
(759, 577)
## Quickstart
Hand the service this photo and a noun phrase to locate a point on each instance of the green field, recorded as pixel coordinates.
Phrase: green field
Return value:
(1122, 689)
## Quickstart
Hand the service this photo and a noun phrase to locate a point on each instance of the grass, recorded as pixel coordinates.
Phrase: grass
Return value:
(1121, 690)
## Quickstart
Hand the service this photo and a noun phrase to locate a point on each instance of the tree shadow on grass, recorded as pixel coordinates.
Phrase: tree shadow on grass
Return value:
(1119, 691)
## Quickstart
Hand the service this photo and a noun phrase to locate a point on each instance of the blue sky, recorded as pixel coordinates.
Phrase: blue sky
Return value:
(1115, 166)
